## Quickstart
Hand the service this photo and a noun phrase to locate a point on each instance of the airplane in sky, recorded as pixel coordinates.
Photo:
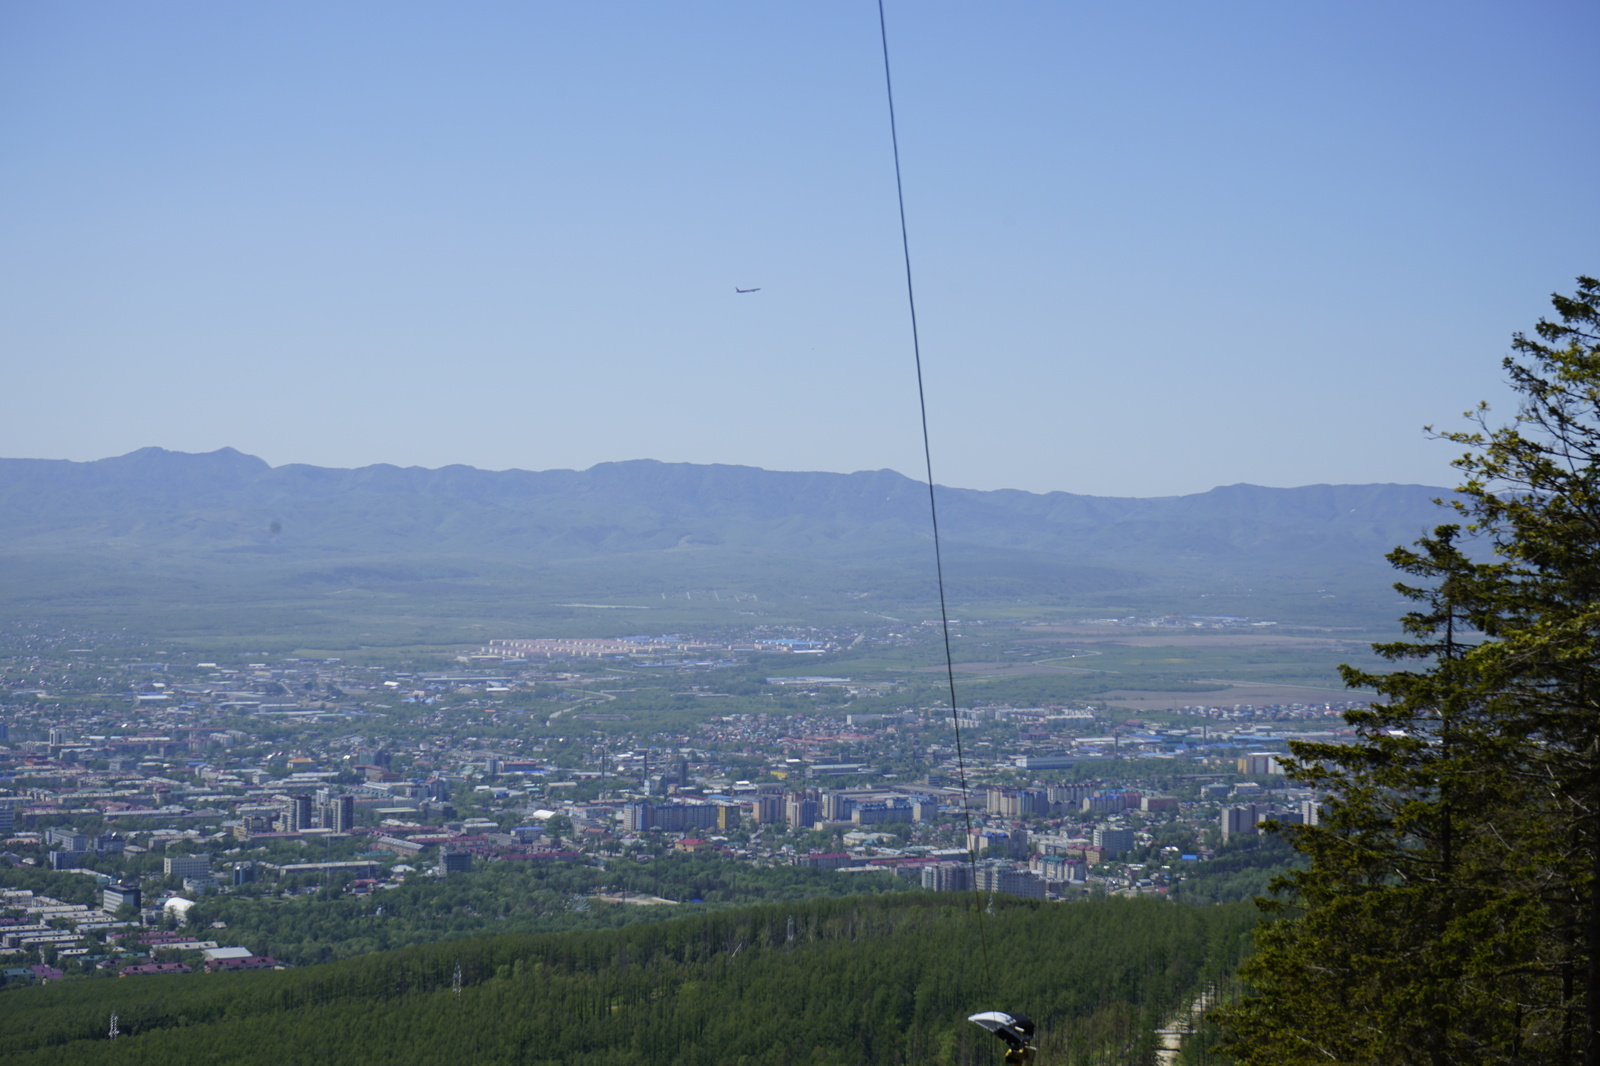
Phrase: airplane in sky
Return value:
(737, 289)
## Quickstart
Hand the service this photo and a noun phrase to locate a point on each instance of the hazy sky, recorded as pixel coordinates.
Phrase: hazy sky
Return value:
(1158, 247)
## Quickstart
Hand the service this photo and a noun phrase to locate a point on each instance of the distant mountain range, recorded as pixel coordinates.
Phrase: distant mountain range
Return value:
(155, 530)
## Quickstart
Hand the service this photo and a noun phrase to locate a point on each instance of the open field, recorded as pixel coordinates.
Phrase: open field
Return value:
(1233, 695)
(1155, 668)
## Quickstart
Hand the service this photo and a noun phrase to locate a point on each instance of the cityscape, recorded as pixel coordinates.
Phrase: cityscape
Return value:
(802, 534)
(161, 788)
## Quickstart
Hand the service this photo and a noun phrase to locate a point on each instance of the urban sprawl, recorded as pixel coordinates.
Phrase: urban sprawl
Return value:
(168, 781)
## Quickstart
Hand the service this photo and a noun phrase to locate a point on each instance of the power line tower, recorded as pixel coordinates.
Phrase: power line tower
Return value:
(115, 1032)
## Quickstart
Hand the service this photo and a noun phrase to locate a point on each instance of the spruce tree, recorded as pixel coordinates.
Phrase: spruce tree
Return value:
(1450, 907)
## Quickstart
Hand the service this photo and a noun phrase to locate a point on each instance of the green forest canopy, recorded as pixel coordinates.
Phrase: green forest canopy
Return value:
(885, 979)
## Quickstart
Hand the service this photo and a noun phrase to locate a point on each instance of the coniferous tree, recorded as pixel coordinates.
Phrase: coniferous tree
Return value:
(1450, 911)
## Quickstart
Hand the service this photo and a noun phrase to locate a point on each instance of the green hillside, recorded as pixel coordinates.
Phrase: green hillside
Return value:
(883, 980)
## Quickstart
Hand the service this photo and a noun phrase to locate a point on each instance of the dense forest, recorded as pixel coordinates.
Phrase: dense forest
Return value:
(885, 980)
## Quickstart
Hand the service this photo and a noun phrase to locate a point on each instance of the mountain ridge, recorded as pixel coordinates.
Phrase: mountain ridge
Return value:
(652, 527)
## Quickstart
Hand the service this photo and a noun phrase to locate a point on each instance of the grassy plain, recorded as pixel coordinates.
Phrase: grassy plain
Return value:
(1136, 667)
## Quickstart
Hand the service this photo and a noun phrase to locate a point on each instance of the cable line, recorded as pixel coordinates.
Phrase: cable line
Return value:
(933, 505)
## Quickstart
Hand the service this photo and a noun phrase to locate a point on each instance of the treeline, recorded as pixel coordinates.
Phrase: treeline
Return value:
(508, 897)
(1241, 871)
(884, 980)
(68, 888)
(1448, 911)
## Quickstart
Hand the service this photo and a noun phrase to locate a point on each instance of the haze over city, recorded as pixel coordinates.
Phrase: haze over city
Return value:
(1157, 249)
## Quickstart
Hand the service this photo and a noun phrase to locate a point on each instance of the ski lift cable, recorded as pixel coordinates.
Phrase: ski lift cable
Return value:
(933, 506)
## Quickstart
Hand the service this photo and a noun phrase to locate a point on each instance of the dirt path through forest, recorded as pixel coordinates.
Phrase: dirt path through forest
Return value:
(1180, 1026)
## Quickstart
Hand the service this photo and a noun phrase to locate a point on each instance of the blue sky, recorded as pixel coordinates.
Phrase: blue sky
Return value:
(1158, 247)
